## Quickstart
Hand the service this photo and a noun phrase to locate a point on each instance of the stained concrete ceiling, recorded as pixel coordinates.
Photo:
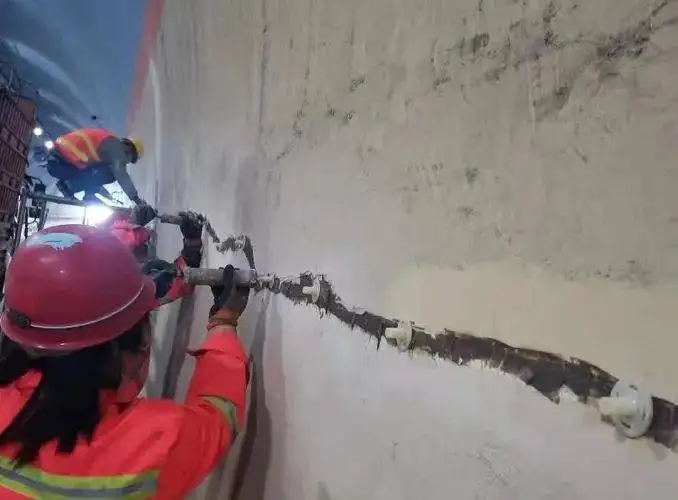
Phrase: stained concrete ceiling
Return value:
(77, 57)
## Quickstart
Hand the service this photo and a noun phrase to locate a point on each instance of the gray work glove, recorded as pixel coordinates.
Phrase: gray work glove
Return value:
(191, 226)
(191, 230)
(162, 273)
(230, 300)
(143, 214)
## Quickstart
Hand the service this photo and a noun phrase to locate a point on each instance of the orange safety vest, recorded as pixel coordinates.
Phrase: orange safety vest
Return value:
(155, 449)
(81, 147)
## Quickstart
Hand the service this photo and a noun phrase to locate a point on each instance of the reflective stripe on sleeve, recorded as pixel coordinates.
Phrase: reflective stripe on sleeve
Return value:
(34, 483)
(228, 410)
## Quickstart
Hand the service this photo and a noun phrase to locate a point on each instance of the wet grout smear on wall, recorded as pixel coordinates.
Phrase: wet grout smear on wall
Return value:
(548, 373)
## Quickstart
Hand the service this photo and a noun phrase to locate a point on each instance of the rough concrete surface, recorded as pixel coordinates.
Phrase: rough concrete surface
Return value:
(505, 168)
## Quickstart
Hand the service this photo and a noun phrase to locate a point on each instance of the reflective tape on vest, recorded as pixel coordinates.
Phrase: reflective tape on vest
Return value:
(89, 155)
(34, 483)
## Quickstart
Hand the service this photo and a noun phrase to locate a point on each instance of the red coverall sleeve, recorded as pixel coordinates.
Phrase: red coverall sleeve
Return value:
(213, 412)
(116, 216)
(179, 288)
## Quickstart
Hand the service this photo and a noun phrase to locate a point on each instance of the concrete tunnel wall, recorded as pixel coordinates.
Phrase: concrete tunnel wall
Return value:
(501, 168)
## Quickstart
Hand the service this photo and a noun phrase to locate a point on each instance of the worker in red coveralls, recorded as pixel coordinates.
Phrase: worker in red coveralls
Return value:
(130, 229)
(74, 357)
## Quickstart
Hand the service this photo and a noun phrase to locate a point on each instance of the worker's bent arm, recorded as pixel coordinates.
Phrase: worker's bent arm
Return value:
(213, 413)
(119, 169)
(171, 286)
(112, 150)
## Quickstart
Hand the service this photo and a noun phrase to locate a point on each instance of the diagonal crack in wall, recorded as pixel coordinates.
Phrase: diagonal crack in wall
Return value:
(548, 373)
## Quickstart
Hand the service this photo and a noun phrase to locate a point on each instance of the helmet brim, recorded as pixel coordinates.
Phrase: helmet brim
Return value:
(86, 336)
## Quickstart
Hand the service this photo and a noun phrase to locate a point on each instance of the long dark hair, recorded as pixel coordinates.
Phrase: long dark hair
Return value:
(65, 406)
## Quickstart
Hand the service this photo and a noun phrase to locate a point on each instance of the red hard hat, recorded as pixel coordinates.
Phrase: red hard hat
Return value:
(73, 286)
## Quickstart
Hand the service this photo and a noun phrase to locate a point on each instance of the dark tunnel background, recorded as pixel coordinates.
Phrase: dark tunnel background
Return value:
(76, 58)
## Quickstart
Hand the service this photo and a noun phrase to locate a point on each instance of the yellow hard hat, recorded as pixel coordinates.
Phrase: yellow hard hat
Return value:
(138, 148)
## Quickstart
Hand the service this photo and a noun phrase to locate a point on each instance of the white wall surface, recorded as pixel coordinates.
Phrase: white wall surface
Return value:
(505, 168)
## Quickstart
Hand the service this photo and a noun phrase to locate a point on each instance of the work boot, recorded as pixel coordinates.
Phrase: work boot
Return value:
(65, 190)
